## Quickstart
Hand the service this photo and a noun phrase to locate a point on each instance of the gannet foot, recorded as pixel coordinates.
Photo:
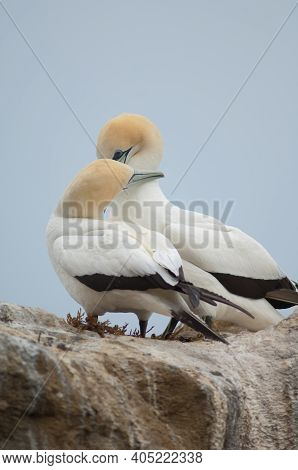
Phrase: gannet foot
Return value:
(92, 320)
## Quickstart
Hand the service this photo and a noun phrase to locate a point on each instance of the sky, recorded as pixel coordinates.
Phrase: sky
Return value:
(69, 66)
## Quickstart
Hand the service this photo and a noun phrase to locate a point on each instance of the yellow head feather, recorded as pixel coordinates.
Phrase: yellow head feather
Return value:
(94, 188)
(131, 130)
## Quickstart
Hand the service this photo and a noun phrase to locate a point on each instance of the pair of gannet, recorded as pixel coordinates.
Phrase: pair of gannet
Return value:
(231, 264)
(115, 266)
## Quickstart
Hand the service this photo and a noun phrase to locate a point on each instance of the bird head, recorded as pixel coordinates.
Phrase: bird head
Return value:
(131, 139)
(96, 185)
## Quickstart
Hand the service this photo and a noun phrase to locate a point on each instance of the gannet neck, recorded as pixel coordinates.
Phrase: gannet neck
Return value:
(146, 205)
(142, 204)
(70, 209)
(147, 192)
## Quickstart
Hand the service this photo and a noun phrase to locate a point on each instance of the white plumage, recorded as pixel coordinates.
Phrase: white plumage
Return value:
(235, 265)
(115, 266)
(229, 250)
(103, 249)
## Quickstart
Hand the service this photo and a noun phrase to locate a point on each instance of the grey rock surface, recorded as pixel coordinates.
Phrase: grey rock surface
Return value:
(62, 388)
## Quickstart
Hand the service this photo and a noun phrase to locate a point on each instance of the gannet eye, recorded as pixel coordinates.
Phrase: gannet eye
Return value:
(117, 155)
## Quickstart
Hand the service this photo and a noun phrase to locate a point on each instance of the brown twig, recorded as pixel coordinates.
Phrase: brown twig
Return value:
(82, 322)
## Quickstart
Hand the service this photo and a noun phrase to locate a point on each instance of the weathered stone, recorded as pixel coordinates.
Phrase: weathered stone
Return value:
(66, 389)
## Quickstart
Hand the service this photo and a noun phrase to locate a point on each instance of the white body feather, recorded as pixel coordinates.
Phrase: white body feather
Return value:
(94, 251)
(206, 244)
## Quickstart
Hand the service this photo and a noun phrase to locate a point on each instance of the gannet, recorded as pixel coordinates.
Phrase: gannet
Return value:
(113, 266)
(236, 265)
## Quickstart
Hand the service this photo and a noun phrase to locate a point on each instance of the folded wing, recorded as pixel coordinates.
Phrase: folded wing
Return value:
(241, 264)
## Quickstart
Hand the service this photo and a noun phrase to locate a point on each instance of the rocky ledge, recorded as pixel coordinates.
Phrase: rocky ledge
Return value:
(62, 388)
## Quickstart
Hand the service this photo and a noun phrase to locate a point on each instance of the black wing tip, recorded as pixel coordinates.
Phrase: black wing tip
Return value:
(197, 294)
(191, 291)
(198, 325)
(223, 340)
(206, 294)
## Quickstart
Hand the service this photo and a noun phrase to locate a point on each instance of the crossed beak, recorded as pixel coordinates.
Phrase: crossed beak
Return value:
(141, 176)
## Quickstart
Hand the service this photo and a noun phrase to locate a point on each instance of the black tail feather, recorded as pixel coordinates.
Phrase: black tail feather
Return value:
(197, 294)
(193, 293)
(284, 295)
(206, 294)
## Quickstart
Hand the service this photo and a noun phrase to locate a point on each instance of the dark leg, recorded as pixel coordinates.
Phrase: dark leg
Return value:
(208, 321)
(170, 328)
(92, 319)
(143, 327)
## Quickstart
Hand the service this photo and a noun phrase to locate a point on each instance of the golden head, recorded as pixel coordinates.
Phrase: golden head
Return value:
(132, 139)
(96, 185)
(94, 188)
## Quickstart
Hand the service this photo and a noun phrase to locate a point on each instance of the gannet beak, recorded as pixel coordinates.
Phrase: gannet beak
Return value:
(136, 177)
(121, 156)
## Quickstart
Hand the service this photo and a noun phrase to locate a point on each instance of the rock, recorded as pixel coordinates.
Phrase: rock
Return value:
(62, 388)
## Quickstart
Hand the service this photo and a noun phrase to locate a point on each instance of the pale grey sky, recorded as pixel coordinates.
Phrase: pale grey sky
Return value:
(180, 64)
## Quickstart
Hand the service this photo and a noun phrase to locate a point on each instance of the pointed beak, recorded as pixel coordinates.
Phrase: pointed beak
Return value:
(136, 177)
(121, 156)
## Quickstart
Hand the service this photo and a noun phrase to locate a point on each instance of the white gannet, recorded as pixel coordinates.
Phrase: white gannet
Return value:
(237, 266)
(113, 266)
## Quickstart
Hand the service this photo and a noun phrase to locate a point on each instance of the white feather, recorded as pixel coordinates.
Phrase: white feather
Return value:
(220, 251)
(111, 249)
